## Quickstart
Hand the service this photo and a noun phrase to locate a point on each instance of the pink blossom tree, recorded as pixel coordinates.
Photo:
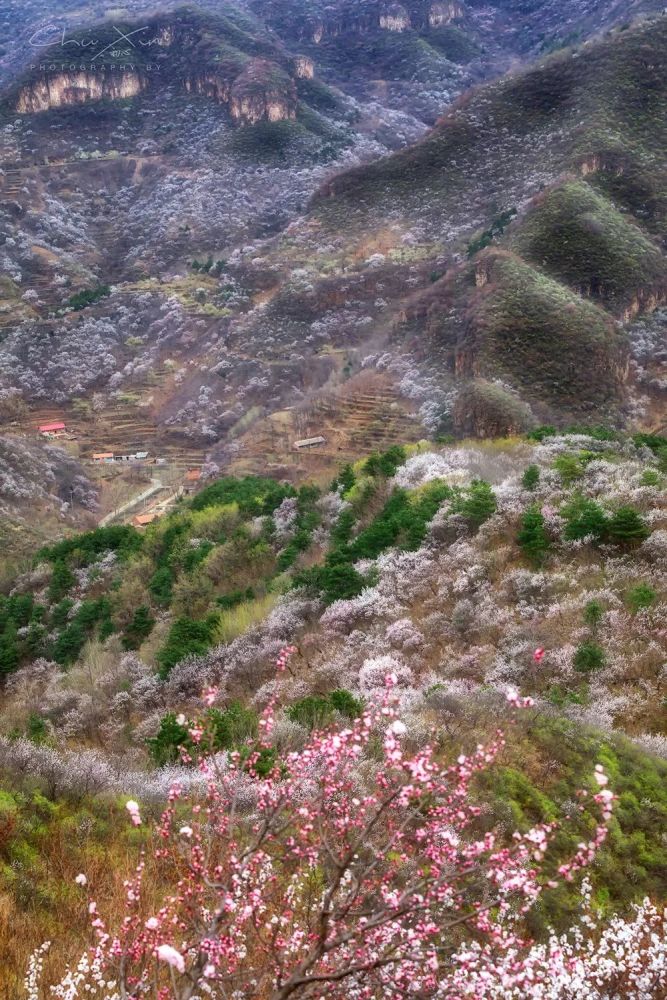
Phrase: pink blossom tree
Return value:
(351, 869)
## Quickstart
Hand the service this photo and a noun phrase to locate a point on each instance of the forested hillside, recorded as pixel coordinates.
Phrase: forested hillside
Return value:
(445, 566)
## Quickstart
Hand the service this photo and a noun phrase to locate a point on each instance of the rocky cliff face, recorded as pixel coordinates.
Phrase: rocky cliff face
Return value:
(304, 68)
(441, 14)
(180, 50)
(77, 87)
(261, 92)
(256, 90)
(365, 18)
(258, 93)
(395, 18)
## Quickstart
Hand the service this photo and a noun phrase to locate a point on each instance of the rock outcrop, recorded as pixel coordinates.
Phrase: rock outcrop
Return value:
(304, 67)
(353, 18)
(395, 18)
(63, 89)
(441, 13)
(252, 88)
(261, 92)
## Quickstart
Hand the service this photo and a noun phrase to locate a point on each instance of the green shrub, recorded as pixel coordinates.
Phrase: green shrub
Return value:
(307, 519)
(236, 597)
(90, 612)
(627, 527)
(532, 537)
(313, 712)
(641, 596)
(385, 464)
(255, 496)
(588, 656)
(186, 637)
(9, 649)
(233, 726)
(497, 228)
(531, 477)
(69, 644)
(164, 747)
(584, 519)
(346, 479)
(658, 445)
(336, 582)
(160, 585)
(560, 696)
(541, 433)
(345, 703)
(477, 504)
(316, 711)
(195, 555)
(60, 613)
(651, 477)
(593, 613)
(62, 580)
(87, 297)
(341, 532)
(569, 468)
(36, 729)
(228, 729)
(20, 609)
(106, 629)
(139, 628)
(83, 549)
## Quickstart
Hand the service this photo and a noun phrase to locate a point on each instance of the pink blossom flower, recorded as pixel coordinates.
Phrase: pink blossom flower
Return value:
(322, 801)
(166, 953)
(209, 695)
(133, 809)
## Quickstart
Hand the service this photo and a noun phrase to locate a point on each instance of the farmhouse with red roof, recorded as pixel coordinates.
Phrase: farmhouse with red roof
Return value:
(52, 430)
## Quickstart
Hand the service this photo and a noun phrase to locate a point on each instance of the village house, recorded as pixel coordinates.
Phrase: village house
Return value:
(142, 520)
(313, 442)
(55, 429)
(109, 456)
(192, 477)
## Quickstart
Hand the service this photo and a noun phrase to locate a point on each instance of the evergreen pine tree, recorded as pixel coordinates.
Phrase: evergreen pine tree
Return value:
(533, 537)
(139, 628)
(531, 477)
(589, 656)
(585, 519)
(479, 505)
(9, 649)
(62, 579)
(627, 527)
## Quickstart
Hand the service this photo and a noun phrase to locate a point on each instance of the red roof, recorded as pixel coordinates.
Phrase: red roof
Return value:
(193, 475)
(57, 426)
(142, 519)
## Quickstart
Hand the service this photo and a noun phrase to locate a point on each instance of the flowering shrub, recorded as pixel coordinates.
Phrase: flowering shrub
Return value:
(352, 869)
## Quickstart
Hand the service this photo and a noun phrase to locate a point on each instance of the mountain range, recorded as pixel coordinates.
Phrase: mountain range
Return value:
(254, 210)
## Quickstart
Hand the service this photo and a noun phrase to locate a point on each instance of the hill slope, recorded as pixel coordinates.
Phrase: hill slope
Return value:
(162, 279)
(447, 567)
